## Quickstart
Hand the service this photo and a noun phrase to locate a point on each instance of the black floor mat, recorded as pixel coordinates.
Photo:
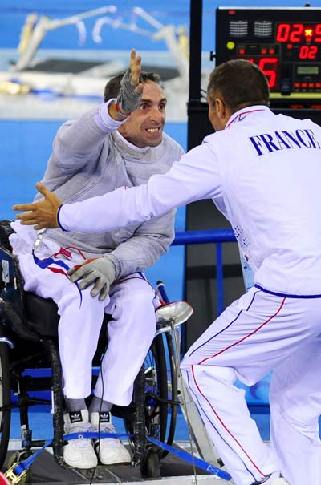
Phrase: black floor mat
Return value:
(46, 471)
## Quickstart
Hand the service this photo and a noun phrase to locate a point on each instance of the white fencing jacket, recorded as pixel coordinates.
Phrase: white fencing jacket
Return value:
(263, 172)
(91, 158)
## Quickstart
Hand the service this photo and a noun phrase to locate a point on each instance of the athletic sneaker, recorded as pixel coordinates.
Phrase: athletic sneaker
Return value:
(78, 453)
(278, 481)
(274, 479)
(110, 450)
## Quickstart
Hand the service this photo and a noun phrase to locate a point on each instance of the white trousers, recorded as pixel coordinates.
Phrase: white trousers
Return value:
(258, 333)
(130, 333)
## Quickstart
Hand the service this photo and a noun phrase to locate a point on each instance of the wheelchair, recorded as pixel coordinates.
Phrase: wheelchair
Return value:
(29, 341)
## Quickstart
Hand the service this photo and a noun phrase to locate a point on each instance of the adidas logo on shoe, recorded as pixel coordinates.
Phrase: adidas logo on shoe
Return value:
(104, 417)
(75, 417)
(110, 450)
(78, 453)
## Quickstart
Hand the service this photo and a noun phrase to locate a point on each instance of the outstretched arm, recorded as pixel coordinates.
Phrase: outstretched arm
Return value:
(43, 213)
(196, 176)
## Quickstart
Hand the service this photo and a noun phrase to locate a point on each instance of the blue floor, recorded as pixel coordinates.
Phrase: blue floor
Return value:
(41, 424)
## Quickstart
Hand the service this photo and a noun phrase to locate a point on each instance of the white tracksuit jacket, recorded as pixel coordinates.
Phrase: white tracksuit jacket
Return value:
(263, 172)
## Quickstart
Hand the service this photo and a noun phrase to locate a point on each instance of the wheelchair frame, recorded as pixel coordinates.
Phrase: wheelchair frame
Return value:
(153, 411)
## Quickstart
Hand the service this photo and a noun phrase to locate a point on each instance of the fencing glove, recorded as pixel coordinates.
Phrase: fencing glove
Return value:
(100, 273)
(129, 95)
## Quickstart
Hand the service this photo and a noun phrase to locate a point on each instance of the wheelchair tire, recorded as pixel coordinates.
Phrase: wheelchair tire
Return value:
(4, 402)
(161, 415)
(150, 464)
(158, 350)
(154, 412)
(173, 406)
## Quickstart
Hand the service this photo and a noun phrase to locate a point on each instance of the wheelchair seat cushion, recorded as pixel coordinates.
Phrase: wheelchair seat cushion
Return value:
(41, 314)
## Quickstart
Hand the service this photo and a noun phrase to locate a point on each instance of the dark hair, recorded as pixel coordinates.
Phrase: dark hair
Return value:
(112, 88)
(240, 83)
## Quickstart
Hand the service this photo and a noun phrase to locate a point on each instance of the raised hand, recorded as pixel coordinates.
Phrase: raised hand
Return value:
(130, 86)
(135, 69)
(43, 213)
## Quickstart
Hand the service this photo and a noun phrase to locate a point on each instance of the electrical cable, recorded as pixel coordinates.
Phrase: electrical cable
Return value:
(100, 374)
(183, 403)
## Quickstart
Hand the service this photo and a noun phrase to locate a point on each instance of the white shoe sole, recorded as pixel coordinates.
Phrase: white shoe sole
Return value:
(114, 457)
(81, 462)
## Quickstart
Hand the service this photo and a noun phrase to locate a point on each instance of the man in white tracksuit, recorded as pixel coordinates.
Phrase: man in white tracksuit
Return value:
(120, 143)
(263, 172)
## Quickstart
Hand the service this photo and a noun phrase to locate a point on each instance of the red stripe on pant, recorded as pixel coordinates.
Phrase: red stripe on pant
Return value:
(219, 353)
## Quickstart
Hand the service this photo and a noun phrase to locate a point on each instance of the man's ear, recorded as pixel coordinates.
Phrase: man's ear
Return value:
(220, 108)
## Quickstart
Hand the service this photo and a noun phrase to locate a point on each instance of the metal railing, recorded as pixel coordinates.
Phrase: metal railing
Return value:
(210, 236)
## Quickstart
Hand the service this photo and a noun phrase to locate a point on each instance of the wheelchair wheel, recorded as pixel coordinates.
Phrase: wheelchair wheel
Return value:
(161, 391)
(154, 408)
(173, 404)
(5, 410)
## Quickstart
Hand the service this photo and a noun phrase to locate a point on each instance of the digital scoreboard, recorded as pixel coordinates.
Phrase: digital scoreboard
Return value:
(284, 42)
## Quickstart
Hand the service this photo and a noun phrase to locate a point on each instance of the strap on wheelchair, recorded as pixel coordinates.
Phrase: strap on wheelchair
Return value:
(184, 455)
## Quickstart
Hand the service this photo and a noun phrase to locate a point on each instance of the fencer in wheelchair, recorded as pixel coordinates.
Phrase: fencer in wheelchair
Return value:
(130, 333)
(29, 328)
(121, 143)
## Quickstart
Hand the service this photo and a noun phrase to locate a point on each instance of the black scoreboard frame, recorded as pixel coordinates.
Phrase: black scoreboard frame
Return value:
(301, 105)
(284, 41)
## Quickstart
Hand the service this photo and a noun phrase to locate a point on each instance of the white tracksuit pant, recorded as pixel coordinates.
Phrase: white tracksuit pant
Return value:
(258, 333)
(130, 333)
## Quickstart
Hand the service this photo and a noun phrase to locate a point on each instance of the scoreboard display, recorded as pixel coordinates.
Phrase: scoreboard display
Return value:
(284, 42)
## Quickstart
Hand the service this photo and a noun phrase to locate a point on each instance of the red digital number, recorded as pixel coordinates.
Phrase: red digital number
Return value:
(283, 33)
(317, 32)
(297, 32)
(313, 51)
(308, 52)
(268, 66)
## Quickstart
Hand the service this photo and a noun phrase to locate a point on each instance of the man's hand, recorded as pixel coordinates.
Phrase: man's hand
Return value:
(130, 86)
(43, 213)
(99, 272)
